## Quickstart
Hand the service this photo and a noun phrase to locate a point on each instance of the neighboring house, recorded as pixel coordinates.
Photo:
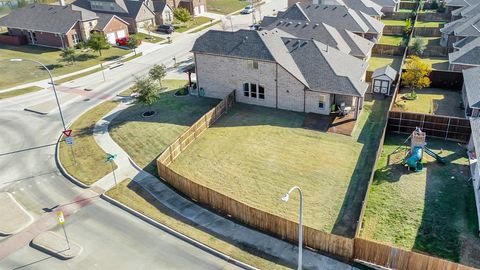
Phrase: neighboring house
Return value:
(466, 12)
(451, 5)
(163, 12)
(459, 29)
(60, 26)
(473, 153)
(196, 7)
(280, 72)
(136, 13)
(389, 7)
(342, 40)
(471, 93)
(339, 17)
(366, 6)
(467, 56)
(382, 80)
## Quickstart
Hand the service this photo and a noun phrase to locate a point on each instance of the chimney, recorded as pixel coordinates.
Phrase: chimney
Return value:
(61, 2)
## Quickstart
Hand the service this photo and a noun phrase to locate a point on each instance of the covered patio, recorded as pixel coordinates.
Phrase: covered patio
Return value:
(333, 123)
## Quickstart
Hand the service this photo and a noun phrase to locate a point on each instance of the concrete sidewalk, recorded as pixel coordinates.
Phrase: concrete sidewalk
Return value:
(208, 221)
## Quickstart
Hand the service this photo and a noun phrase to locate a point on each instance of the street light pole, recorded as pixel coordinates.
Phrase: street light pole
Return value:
(51, 81)
(285, 198)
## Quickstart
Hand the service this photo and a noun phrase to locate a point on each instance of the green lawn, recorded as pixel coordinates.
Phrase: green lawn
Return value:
(23, 72)
(145, 138)
(394, 22)
(377, 62)
(431, 211)
(391, 40)
(148, 38)
(90, 158)
(432, 101)
(437, 63)
(430, 41)
(429, 24)
(255, 154)
(197, 21)
(133, 195)
(19, 92)
(225, 6)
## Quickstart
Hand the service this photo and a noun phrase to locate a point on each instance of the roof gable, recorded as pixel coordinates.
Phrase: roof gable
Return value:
(471, 78)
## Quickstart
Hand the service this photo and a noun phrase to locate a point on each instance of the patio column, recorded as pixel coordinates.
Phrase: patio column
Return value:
(357, 107)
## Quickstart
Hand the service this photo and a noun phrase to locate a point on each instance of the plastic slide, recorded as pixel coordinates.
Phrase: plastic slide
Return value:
(414, 161)
(437, 157)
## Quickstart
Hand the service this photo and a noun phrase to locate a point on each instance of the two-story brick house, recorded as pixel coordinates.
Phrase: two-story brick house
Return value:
(287, 73)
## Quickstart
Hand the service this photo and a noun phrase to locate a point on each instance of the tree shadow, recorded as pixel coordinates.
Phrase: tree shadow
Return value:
(51, 67)
(112, 58)
(85, 57)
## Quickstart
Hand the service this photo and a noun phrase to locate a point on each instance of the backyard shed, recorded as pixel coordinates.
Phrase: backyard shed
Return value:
(382, 80)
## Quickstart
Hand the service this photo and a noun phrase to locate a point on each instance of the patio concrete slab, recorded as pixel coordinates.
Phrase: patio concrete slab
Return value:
(56, 245)
(14, 217)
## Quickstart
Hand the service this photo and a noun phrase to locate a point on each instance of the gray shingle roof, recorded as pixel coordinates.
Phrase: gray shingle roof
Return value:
(464, 41)
(104, 19)
(366, 6)
(464, 27)
(471, 80)
(461, 3)
(386, 3)
(467, 55)
(467, 11)
(342, 40)
(317, 66)
(475, 125)
(339, 17)
(130, 7)
(46, 18)
(386, 70)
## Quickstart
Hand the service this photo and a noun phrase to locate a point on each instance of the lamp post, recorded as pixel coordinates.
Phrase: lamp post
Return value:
(285, 198)
(51, 81)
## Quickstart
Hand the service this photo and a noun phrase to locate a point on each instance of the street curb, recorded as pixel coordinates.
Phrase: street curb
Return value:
(177, 234)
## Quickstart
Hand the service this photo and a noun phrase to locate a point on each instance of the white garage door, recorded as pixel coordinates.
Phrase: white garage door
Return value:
(121, 34)
(111, 38)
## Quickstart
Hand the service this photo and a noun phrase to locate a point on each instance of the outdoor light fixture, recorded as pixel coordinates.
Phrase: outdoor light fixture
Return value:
(285, 198)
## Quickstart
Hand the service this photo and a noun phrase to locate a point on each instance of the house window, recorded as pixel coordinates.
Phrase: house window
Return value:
(261, 92)
(321, 101)
(253, 90)
(246, 90)
(75, 39)
(253, 64)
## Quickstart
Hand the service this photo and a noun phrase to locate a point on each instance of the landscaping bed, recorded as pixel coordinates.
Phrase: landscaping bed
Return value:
(146, 138)
(255, 154)
(431, 101)
(24, 72)
(431, 211)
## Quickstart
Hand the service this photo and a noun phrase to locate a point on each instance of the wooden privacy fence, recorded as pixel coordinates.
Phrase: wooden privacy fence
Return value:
(434, 17)
(396, 30)
(387, 50)
(409, 5)
(427, 32)
(444, 127)
(397, 258)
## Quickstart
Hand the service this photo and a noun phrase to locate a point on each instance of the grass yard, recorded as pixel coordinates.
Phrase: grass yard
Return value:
(377, 62)
(432, 101)
(197, 21)
(90, 158)
(429, 24)
(431, 211)
(24, 72)
(437, 63)
(256, 154)
(148, 38)
(391, 40)
(430, 41)
(131, 194)
(19, 92)
(146, 138)
(394, 22)
(225, 6)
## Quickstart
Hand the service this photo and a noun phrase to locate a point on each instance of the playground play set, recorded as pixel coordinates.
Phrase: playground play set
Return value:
(417, 149)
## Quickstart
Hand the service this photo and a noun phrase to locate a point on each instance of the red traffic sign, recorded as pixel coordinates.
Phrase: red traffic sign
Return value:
(67, 132)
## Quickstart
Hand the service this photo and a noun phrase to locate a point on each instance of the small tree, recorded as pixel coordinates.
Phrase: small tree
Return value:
(182, 15)
(68, 55)
(132, 43)
(147, 92)
(418, 46)
(157, 73)
(149, 27)
(416, 75)
(408, 26)
(98, 42)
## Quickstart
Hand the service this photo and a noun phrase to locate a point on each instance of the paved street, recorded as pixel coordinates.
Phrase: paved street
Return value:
(111, 238)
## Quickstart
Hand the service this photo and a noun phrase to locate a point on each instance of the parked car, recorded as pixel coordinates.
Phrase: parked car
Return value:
(247, 10)
(124, 41)
(166, 28)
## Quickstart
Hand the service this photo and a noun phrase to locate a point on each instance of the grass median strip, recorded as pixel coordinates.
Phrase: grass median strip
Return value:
(132, 195)
(20, 91)
(205, 27)
(90, 158)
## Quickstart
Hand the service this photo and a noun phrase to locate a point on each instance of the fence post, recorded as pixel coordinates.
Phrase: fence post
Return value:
(423, 121)
(448, 128)
(400, 122)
